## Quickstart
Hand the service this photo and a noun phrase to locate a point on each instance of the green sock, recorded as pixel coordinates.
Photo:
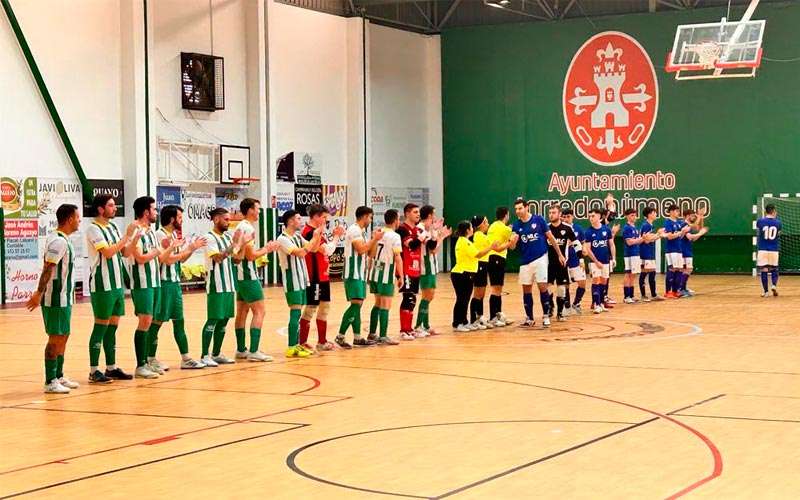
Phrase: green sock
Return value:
(241, 346)
(426, 321)
(384, 314)
(50, 370)
(255, 338)
(96, 343)
(219, 336)
(208, 334)
(110, 345)
(140, 346)
(421, 313)
(179, 332)
(60, 366)
(152, 339)
(294, 327)
(347, 320)
(374, 317)
(356, 319)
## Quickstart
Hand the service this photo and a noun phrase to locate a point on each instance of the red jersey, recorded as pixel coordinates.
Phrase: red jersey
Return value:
(316, 262)
(412, 250)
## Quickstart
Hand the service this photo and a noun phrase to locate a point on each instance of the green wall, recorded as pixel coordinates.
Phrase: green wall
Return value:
(727, 140)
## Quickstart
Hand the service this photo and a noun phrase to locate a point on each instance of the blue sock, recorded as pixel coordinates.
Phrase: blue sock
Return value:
(545, 298)
(595, 295)
(642, 290)
(775, 276)
(685, 280)
(579, 295)
(765, 281)
(670, 280)
(604, 292)
(527, 300)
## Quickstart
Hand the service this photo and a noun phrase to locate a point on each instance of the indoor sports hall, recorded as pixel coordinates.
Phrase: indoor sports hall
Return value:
(489, 249)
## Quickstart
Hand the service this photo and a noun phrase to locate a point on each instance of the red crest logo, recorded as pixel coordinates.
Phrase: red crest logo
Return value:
(610, 98)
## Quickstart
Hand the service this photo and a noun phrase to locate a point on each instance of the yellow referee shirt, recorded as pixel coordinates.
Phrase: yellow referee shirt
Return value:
(466, 257)
(482, 243)
(498, 232)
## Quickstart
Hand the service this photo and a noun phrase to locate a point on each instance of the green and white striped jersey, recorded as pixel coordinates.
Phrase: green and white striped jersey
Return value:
(383, 264)
(293, 268)
(246, 269)
(355, 264)
(430, 262)
(146, 275)
(59, 251)
(220, 277)
(104, 274)
(169, 272)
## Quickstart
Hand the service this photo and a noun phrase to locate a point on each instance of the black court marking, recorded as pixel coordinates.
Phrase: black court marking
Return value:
(150, 462)
(728, 417)
(315, 395)
(124, 414)
(291, 459)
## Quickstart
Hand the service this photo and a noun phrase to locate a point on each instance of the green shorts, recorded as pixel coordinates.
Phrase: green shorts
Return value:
(220, 305)
(56, 320)
(170, 305)
(355, 289)
(108, 304)
(146, 301)
(427, 281)
(382, 289)
(296, 298)
(249, 291)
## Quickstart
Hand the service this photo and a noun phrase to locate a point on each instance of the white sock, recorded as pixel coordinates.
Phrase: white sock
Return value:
(150, 358)
(111, 367)
(185, 357)
(93, 369)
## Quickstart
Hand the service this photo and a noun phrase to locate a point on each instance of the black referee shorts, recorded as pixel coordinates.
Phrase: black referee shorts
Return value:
(496, 269)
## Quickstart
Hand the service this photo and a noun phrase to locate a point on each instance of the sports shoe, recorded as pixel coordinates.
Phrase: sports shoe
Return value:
(341, 342)
(420, 333)
(609, 300)
(373, 337)
(304, 347)
(765, 294)
(774, 290)
(160, 364)
(387, 341)
(546, 322)
(658, 298)
(431, 332)
(327, 346)
(191, 364)
(560, 317)
(405, 336)
(54, 387)
(307, 347)
(155, 367)
(597, 309)
(209, 361)
(97, 377)
(505, 320)
(603, 308)
(242, 354)
(528, 323)
(608, 305)
(628, 300)
(646, 299)
(462, 329)
(222, 359)
(118, 374)
(485, 322)
(683, 294)
(69, 384)
(297, 352)
(577, 309)
(567, 312)
(364, 342)
(498, 323)
(670, 295)
(258, 356)
(692, 293)
(145, 372)
(477, 325)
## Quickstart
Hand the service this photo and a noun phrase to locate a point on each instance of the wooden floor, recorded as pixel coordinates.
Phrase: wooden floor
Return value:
(699, 395)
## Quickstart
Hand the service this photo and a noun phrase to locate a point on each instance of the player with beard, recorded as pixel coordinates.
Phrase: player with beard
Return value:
(557, 272)
(412, 268)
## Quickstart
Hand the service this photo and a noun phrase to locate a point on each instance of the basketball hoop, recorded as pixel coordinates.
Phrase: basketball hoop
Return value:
(707, 53)
(244, 181)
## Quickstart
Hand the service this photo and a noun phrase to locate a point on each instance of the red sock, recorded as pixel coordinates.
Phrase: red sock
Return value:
(406, 317)
(322, 330)
(305, 327)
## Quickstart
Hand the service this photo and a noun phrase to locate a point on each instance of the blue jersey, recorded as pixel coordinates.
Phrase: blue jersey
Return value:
(769, 229)
(630, 231)
(532, 238)
(686, 247)
(572, 259)
(673, 226)
(647, 250)
(598, 238)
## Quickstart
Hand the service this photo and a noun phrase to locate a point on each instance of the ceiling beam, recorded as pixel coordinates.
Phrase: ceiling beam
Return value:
(671, 5)
(546, 8)
(569, 6)
(450, 11)
(425, 16)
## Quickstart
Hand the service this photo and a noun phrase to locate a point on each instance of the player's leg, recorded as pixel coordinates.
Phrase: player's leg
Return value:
(597, 287)
(54, 346)
(374, 313)
(350, 318)
(57, 328)
(540, 275)
(102, 316)
(240, 325)
(409, 303)
(309, 311)
(526, 280)
(642, 278)
(427, 292)
(481, 280)
(774, 256)
(116, 304)
(497, 269)
(561, 294)
(227, 312)
(322, 320)
(296, 300)
(462, 285)
(159, 303)
(143, 302)
(688, 267)
(215, 308)
(386, 293)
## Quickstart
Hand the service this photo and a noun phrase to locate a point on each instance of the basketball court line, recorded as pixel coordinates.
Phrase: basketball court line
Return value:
(728, 417)
(712, 448)
(241, 392)
(96, 412)
(291, 459)
(150, 462)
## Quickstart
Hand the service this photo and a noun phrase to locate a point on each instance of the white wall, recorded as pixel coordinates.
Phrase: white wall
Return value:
(76, 45)
(405, 143)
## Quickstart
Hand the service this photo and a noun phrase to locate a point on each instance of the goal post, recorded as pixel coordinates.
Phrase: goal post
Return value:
(788, 208)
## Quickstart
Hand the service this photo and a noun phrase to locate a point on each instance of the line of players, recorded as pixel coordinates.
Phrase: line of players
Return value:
(398, 254)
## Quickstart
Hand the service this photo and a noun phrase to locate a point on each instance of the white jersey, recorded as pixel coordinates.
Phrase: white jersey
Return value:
(293, 268)
(246, 269)
(219, 275)
(169, 272)
(59, 251)
(430, 263)
(355, 264)
(386, 250)
(104, 274)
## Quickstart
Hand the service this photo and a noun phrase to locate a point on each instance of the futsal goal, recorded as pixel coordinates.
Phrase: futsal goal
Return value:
(788, 207)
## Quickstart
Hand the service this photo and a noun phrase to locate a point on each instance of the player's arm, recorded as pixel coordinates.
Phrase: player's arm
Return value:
(135, 251)
(183, 255)
(552, 240)
(44, 278)
(231, 250)
(313, 244)
(587, 251)
(696, 236)
(107, 251)
(398, 267)
(613, 247)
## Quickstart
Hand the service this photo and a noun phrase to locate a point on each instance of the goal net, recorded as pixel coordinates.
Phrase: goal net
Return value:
(789, 239)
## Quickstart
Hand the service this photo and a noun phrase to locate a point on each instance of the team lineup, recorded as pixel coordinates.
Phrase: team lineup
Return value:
(399, 257)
